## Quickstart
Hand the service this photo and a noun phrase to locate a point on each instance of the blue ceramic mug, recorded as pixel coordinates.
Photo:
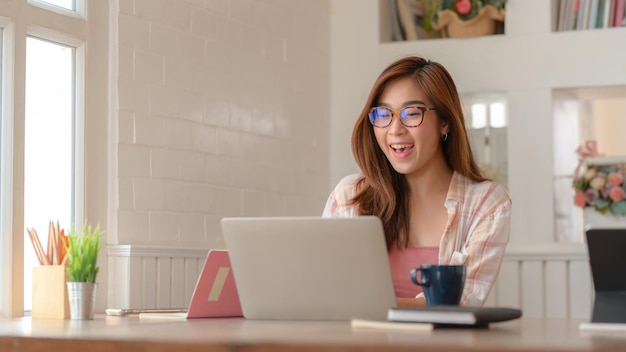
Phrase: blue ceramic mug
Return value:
(442, 284)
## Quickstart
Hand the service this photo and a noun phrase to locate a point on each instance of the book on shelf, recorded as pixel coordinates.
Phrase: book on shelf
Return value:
(569, 14)
(590, 14)
(600, 14)
(580, 15)
(619, 13)
(453, 315)
(560, 17)
(592, 21)
(602, 18)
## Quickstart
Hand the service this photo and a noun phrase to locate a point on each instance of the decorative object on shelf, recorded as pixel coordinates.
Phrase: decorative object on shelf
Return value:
(467, 18)
(599, 182)
(82, 270)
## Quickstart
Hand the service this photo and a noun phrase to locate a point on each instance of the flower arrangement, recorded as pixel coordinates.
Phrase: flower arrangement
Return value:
(465, 9)
(602, 187)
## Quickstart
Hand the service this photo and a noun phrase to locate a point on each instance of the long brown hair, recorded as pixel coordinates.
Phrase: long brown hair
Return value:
(384, 192)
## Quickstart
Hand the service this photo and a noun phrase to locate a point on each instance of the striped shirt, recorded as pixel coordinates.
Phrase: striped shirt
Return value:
(476, 233)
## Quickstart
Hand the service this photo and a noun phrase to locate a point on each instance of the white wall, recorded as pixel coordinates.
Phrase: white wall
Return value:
(527, 65)
(223, 110)
(610, 124)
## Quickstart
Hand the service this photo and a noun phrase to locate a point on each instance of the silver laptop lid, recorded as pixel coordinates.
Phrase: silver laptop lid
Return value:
(310, 268)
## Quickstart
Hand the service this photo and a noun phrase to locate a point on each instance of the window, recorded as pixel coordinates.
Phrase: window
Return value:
(48, 143)
(487, 119)
(579, 115)
(44, 117)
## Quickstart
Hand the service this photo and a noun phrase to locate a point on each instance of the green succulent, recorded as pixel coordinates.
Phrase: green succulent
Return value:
(82, 253)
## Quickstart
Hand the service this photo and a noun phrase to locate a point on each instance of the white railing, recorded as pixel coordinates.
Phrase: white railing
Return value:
(152, 277)
(552, 281)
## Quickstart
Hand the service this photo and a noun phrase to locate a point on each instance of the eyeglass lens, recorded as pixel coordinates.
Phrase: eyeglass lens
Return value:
(410, 116)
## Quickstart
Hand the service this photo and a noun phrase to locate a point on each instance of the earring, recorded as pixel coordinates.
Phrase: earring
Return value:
(444, 137)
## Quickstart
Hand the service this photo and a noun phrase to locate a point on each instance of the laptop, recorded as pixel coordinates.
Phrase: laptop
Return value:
(215, 294)
(310, 268)
(607, 260)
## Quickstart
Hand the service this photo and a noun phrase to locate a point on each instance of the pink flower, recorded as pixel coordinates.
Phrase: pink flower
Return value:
(463, 7)
(615, 178)
(579, 198)
(617, 193)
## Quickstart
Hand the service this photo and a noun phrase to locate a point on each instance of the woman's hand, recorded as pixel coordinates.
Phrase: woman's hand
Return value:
(410, 302)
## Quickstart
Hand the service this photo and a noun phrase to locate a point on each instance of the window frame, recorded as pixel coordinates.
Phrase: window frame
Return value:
(8, 245)
(68, 28)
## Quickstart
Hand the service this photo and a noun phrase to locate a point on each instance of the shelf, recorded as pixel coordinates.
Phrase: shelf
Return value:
(582, 15)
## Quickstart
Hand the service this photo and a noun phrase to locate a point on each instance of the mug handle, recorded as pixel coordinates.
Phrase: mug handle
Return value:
(424, 276)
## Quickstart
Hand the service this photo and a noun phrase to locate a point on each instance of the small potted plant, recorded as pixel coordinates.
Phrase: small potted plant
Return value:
(466, 18)
(82, 269)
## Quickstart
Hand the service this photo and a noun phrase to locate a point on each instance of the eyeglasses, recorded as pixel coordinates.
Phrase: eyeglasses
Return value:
(410, 116)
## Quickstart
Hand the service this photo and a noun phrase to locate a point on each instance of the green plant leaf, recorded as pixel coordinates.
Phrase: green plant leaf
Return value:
(619, 208)
(602, 204)
(82, 253)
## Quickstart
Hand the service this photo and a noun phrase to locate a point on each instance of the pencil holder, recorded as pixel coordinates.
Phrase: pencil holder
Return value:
(50, 299)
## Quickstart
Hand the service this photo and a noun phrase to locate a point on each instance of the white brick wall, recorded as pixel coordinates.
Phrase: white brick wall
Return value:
(223, 111)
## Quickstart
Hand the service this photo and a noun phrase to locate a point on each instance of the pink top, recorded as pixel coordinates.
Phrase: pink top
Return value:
(402, 260)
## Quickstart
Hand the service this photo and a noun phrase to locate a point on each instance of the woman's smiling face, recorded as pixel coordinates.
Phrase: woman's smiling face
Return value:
(409, 149)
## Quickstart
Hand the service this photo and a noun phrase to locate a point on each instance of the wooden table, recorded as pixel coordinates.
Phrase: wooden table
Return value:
(120, 334)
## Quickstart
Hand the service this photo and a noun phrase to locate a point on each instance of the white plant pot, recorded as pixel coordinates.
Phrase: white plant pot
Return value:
(593, 218)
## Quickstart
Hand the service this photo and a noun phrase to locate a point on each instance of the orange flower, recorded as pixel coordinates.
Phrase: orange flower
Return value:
(579, 198)
(615, 178)
(616, 193)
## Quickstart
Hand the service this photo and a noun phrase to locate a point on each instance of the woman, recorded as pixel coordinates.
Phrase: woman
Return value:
(418, 175)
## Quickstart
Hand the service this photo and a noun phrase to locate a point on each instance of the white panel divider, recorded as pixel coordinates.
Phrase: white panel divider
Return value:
(552, 281)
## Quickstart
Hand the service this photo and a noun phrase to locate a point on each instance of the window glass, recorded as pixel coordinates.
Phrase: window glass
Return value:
(497, 116)
(479, 116)
(48, 149)
(66, 4)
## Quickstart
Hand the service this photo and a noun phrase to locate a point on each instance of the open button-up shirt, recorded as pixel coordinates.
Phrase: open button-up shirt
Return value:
(476, 233)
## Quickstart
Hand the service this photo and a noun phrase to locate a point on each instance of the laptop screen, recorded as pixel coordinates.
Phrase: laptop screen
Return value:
(607, 257)
(607, 260)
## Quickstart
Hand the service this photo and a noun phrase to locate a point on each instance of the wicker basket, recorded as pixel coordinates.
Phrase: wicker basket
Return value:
(484, 23)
